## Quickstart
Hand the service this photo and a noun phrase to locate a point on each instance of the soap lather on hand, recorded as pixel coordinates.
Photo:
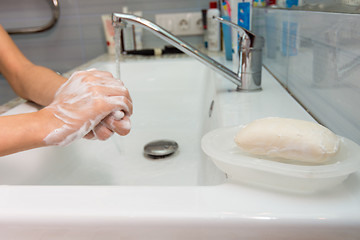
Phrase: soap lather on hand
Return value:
(91, 104)
(288, 139)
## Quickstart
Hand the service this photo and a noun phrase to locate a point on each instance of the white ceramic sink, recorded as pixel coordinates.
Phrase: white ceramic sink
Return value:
(171, 101)
(110, 190)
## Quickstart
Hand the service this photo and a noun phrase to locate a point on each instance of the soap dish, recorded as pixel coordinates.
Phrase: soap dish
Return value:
(219, 145)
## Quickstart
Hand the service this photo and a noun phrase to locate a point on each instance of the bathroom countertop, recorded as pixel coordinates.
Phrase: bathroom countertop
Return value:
(225, 211)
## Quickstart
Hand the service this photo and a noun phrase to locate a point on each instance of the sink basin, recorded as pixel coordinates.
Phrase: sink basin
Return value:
(111, 190)
(166, 106)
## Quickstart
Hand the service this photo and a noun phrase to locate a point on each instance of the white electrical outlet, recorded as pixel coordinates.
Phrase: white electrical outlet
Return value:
(181, 24)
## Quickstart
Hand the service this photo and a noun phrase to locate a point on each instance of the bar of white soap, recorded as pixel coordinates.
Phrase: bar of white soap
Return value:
(288, 139)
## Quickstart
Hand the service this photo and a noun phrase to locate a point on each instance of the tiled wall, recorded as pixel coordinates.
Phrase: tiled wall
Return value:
(78, 37)
(317, 57)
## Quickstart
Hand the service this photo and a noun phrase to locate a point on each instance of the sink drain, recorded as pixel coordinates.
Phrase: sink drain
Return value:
(160, 148)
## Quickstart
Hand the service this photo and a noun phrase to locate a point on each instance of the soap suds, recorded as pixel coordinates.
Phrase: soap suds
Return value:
(75, 100)
(118, 115)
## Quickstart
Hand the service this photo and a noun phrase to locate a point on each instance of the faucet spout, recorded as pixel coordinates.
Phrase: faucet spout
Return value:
(123, 19)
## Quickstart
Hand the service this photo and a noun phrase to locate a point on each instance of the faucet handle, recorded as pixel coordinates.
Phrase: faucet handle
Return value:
(244, 34)
(247, 56)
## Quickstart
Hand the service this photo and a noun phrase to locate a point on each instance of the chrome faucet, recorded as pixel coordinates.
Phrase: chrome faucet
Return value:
(248, 52)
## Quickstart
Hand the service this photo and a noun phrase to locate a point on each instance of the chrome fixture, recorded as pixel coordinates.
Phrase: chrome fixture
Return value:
(248, 52)
(248, 57)
(55, 11)
(160, 148)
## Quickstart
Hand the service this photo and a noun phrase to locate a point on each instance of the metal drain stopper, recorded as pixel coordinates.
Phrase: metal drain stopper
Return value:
(160, 148)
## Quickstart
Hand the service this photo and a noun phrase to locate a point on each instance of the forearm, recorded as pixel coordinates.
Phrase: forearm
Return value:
(29, 81)
(38, 84)
(84, 106)
(25, 131)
